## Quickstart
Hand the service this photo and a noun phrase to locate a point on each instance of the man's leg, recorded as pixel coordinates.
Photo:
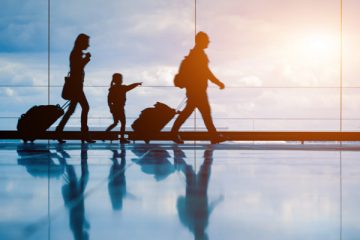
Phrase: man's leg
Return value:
(189, 108)
(204, 108)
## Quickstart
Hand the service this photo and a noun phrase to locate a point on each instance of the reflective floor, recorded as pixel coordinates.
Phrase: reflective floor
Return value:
(164, 191)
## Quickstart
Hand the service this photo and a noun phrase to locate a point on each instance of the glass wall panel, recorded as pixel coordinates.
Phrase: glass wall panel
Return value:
(351, 63)
(143, 40)
(289, 45)
(23, 58)
(23, 78)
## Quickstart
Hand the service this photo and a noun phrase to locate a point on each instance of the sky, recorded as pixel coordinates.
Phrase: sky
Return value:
(279, 60)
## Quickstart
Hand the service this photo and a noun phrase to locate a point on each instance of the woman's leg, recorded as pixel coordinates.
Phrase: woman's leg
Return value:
(189, 108)
(64, 120)
(84, 118)
(84, 111)
(67, 115)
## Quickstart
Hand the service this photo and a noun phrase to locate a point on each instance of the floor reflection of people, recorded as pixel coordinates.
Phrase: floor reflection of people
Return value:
(154, 161)
(117, 180)
(194, 208)
(39, 162)
(73, 195)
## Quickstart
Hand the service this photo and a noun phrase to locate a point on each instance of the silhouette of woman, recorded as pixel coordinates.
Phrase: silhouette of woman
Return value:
(78, 61)
(73, 192)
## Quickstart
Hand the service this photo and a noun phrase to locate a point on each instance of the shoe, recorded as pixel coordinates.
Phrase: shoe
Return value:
(218, 139)
(177, 139)
(58, 132)
(124, 141)
(86, 137)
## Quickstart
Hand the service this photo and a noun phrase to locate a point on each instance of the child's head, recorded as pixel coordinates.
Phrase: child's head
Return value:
(117, 79)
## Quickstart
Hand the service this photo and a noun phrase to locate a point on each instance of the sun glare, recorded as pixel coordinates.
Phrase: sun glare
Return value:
(319, 44)
(318, 48)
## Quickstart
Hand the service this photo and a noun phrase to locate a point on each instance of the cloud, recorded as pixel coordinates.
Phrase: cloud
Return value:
(22, 81)
(23, 69)
(9, 92)
(23, 27)
(146, 41)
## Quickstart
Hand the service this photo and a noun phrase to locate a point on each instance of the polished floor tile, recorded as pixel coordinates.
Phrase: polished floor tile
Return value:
(164, 191)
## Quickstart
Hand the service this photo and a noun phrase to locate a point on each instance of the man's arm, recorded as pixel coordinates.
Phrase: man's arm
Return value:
(132, 86)
(216, 81)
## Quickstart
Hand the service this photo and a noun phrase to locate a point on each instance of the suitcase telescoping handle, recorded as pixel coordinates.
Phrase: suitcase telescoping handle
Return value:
(65, 105)
(181, 105)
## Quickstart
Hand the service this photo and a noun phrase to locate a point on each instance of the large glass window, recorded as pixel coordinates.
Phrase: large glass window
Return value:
(23, 58)
(280, 60)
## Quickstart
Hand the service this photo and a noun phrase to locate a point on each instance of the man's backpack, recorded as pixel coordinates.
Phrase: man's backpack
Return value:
(184, 73)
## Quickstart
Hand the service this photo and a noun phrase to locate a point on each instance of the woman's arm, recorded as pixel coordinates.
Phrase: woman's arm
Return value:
(86, 59)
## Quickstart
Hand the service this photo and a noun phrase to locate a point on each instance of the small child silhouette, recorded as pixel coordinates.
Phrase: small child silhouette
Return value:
(116, 102)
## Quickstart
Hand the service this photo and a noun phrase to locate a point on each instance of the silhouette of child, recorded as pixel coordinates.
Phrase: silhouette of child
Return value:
(116, 102)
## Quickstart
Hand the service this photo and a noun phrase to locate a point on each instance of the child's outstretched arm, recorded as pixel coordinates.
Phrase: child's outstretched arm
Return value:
(134, 85)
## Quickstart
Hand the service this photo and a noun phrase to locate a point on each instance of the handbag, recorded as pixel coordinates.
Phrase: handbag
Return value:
(67, 91)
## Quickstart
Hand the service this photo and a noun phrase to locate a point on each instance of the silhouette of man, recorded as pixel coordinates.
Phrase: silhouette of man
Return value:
(196, 89)
(78, 61)
(194, 208)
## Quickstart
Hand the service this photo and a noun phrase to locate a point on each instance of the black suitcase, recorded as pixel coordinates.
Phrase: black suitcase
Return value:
(153, 119)
(38, 119)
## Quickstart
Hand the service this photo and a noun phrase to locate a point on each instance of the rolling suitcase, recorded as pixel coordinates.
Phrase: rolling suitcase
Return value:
(39, 162)
(38, 119)
(153, 119)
